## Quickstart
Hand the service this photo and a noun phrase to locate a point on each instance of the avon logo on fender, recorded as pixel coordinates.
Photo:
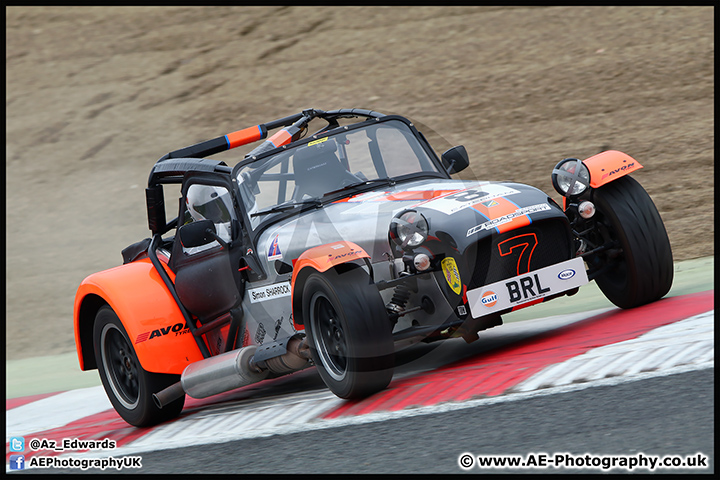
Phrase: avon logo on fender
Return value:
(624, 167)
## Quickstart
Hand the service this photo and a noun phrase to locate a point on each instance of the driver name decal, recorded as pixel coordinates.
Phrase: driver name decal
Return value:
(269, 292)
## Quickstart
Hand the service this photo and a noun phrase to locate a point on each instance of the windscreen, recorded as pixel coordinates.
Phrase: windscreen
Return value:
(328, 164)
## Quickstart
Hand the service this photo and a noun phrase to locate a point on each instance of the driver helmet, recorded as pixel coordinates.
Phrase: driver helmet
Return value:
(205, 202)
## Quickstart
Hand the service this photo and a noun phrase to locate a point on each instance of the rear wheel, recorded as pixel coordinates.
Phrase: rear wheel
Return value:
(349, 332)
(128, 386)
(639, 269)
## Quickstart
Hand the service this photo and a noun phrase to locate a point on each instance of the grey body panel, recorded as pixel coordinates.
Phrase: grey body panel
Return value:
(364, 220)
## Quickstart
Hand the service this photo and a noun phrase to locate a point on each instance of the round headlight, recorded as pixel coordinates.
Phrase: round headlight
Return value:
(409, 229)
(570, 177)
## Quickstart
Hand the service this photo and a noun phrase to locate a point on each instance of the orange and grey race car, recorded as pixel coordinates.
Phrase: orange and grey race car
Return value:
(339, 247)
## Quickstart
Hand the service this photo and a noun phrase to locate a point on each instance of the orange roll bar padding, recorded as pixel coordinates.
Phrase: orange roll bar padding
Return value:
(220, 144)
(245, 136)
(280, 138)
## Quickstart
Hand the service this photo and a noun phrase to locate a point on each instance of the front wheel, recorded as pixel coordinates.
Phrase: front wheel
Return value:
(128, 386)
(639, 270)
(349, 332)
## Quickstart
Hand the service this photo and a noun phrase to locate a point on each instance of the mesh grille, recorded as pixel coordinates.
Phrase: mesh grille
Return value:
(525, 249)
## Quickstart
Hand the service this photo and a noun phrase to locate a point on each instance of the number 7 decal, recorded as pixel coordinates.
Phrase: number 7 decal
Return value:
(527, 241)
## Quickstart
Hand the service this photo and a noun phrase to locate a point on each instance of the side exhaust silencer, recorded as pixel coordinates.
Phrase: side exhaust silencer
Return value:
(232, 370)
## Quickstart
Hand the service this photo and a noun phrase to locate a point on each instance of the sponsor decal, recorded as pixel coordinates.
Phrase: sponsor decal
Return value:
(278, 326)
(508, 218)
(317, 166)
(527, 288)
(260, 334)
(566, 274)
(177, 329)
(315, 142)
(332, 258)
(452, 274)
(491, 203)
(270, 292)
(489, 299)
(482, 194)
(274, 252)
(618, 170)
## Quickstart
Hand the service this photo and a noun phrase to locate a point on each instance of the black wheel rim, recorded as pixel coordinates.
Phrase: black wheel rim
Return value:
(329, 337)
(120, 366)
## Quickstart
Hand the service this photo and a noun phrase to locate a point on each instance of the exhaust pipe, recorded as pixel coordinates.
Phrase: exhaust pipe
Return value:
(213, 375)
(295, 358)
(232, 370)
(221, 373)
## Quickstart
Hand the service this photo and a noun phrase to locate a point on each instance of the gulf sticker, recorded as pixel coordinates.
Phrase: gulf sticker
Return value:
(489, 298)
(452, 274)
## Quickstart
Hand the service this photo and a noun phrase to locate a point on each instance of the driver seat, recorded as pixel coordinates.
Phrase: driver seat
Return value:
(318, 170)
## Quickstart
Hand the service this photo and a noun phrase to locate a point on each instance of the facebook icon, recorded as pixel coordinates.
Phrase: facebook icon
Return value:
(17, 462)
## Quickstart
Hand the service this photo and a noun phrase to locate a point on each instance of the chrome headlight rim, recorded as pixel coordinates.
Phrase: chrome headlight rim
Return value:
(564, 176)
(409, 229)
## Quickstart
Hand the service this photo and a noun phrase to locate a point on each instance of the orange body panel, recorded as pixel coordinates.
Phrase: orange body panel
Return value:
(148, 312)
(607, 166)
(322, 258)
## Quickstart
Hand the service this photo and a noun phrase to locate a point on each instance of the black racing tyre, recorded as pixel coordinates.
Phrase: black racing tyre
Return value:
(349, 332)
(128, 386)
(643, 271)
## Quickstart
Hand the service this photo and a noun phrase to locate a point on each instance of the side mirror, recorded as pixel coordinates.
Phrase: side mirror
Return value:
(455, 159)
(196, 234)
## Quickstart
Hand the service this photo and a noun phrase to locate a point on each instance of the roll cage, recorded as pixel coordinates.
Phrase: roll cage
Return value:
(173, 167)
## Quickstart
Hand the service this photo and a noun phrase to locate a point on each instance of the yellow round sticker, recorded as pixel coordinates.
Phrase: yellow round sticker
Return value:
(452, 274)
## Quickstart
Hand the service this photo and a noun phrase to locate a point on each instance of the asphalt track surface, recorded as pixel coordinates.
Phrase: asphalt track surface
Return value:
(670, 415)
(641, 416)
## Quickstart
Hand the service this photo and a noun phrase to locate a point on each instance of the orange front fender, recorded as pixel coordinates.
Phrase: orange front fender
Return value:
(148, 312)
(319, 259)
(607, 166)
